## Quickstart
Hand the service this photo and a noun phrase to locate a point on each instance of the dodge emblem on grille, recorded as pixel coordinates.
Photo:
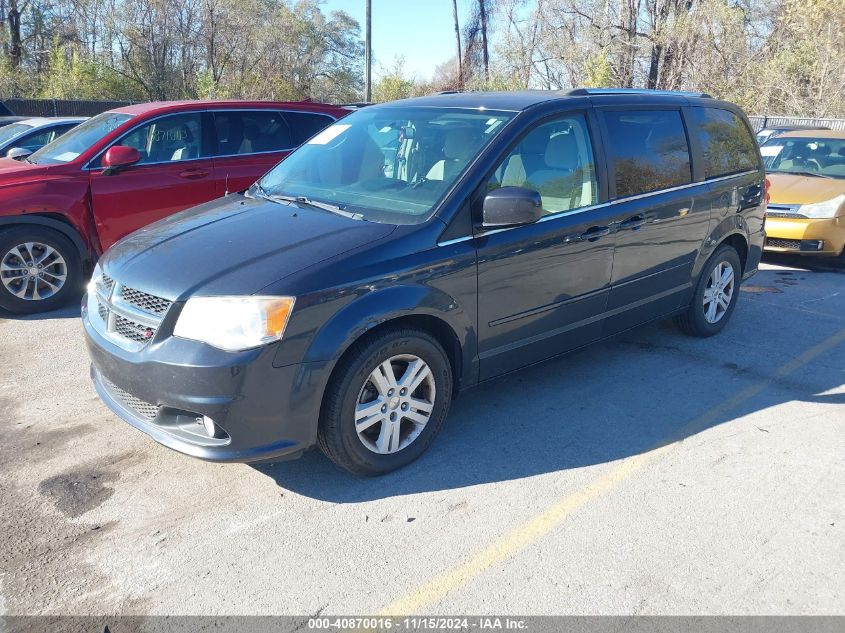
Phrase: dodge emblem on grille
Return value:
(148, 333)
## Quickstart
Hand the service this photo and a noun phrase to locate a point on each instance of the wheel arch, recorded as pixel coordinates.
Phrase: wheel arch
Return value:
(58, 224)
(421, 307)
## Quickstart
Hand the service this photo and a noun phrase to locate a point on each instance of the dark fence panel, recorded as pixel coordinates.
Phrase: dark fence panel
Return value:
(759, 122)
(61, 107)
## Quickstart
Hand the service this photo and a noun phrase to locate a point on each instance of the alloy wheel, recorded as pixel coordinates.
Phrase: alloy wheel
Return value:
(395, 404)
(33, 271)
(719, 292)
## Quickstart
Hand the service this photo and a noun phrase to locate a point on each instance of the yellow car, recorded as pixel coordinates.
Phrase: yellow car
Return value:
(806, 213)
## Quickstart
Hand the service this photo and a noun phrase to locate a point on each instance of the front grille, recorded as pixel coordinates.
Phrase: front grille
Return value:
(141, 408)
(128, 316)
(143, 301)
(105, 284)
(777, 242)
(131, 330)
(784, 211)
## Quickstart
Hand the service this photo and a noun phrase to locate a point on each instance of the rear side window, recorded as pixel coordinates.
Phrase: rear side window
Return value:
(726, 142)
(251, 132)
(648, 151)
(304, 125)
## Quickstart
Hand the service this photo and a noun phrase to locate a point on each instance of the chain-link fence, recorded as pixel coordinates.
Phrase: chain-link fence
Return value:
(60, 107)
(760, 122)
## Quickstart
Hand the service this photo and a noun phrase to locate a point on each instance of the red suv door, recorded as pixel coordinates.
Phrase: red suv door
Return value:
(250, 142)
(175, 172)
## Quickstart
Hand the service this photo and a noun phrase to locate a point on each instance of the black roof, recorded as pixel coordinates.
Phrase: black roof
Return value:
(523, 99)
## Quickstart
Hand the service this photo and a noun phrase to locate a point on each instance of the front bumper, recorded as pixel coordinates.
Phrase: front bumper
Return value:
(261, 412)
(805, 236)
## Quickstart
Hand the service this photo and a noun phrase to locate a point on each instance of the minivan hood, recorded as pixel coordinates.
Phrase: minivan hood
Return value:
(796, 189)
(232, 246)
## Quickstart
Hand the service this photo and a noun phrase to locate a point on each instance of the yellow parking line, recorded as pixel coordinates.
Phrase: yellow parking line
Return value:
(535, 528)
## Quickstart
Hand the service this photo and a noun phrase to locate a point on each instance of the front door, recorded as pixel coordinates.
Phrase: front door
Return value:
(542, 288)
(173, 174)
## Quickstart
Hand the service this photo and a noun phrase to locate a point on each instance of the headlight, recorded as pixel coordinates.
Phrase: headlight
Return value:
(234, 323)
(820, 210)
(92, 283)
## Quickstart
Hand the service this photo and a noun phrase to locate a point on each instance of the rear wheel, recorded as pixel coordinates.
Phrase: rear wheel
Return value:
(715, 295)
(386, 402)
(40, 269)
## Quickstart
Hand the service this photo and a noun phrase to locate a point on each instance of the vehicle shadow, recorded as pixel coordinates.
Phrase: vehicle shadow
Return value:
(72, 309)
(626, 396)
(806, 262)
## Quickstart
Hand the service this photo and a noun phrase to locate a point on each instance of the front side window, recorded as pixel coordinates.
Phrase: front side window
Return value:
(647, 151)
(823, 157)
(70, 146)
(251, 132)
(726, 142)
(390, 164)
(556, 160)
(170, 138)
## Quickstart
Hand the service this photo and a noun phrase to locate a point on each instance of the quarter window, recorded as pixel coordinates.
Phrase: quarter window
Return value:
(171, 138)
(556, 160)
(251, 132)
(647, 151)
(726, 142)
(304, 125)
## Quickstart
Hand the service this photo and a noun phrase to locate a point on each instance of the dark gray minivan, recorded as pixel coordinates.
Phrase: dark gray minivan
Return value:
(413, 250)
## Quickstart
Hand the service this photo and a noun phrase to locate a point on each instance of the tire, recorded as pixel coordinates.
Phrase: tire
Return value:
(54, 284)
(697, 321)
(352, 383)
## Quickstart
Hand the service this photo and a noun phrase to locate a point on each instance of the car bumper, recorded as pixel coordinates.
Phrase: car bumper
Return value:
(805, 236)
(260, 412)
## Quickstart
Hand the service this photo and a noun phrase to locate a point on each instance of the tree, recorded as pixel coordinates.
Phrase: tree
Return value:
(458, 45)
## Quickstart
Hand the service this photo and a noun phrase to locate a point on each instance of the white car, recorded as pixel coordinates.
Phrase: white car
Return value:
(24, 137)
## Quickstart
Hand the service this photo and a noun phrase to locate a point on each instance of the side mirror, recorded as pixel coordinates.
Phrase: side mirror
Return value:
(118, 157)
(18, 153)
(511, 206)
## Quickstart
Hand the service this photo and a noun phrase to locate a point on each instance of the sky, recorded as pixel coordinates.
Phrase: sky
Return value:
(421, 31)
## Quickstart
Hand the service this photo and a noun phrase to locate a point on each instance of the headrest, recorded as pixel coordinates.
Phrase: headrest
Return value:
(562, 152)
(460, 143)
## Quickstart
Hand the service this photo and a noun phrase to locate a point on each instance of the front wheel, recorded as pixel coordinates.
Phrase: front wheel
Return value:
(715, 295)
(39, 269)
(386, 402)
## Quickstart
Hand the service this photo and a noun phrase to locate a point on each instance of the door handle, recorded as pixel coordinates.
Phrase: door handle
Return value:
(633, 223)
(193, 174)
(594, 233)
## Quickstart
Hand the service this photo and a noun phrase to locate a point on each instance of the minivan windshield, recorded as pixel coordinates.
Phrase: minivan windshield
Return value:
(807, 156)
(391, 164)
(69, 146)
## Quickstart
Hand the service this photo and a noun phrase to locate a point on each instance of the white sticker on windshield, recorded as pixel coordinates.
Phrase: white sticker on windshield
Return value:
(66, 157)
(771, 150)
(329, 134)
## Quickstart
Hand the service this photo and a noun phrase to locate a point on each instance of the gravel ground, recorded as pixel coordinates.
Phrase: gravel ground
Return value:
(653, 474)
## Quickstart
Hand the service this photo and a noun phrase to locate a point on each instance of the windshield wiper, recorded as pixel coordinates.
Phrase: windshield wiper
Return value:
(808, 173)
(325, 206)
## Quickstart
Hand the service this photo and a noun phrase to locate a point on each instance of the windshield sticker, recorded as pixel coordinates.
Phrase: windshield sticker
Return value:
(329, 134)
(771, 150)
(66, 157)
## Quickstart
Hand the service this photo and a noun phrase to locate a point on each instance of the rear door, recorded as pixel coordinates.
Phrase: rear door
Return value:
(542, 288)
(661, 222)
(250, 142)
(174, 173)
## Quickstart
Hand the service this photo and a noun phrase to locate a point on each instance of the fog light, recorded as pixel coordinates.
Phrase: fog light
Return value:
(210, 426)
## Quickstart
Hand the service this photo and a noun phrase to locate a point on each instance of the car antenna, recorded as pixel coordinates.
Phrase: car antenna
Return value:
(226, 193)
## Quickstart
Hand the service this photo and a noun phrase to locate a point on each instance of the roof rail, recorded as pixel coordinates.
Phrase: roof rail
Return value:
(583, 92)
(450, 92)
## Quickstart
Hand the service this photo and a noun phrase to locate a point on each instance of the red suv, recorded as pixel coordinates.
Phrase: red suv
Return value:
(123, 169)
